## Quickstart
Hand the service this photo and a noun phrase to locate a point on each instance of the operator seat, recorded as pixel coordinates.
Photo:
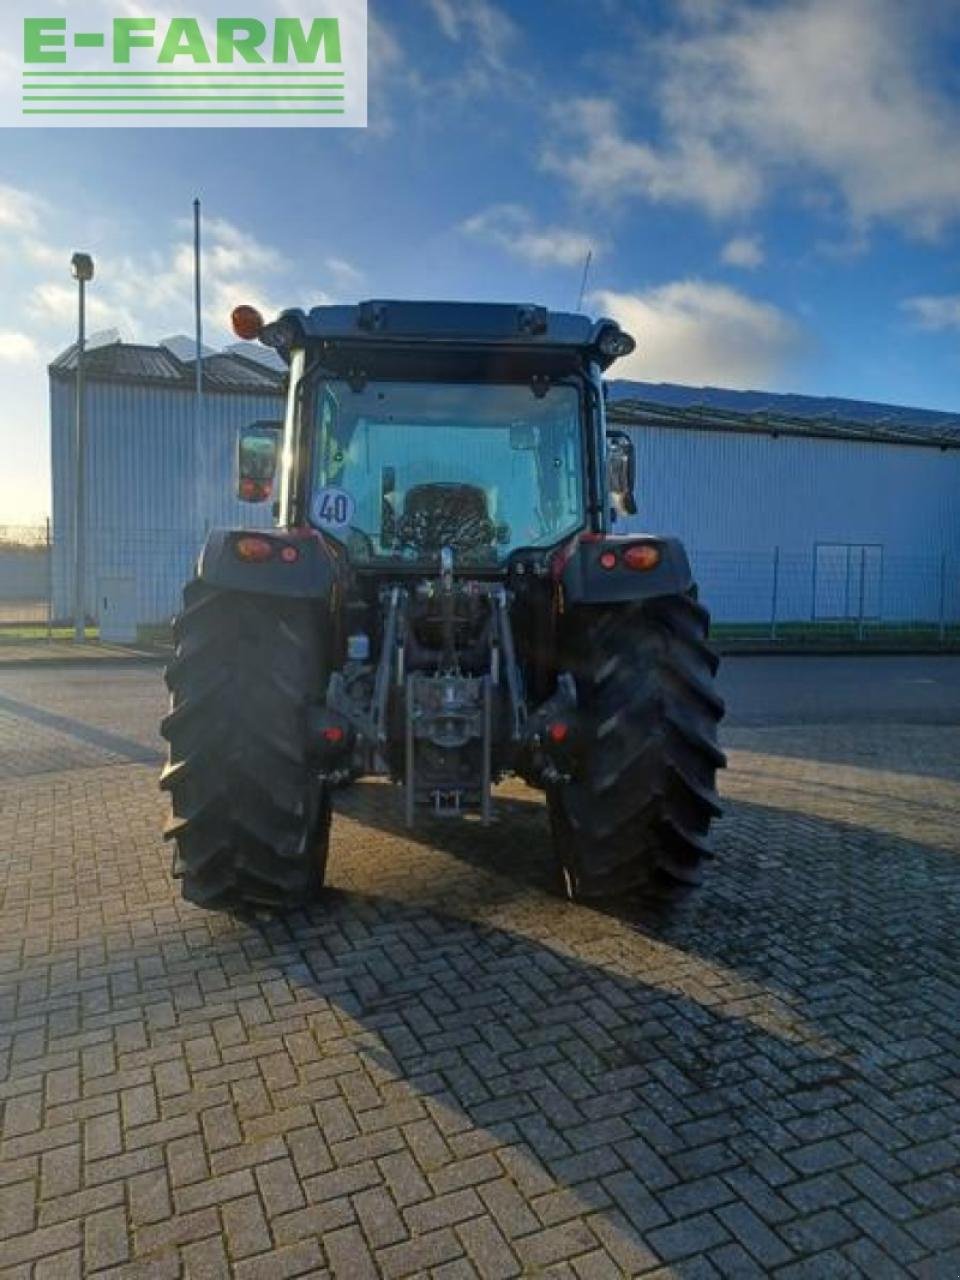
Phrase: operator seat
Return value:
(446, 515)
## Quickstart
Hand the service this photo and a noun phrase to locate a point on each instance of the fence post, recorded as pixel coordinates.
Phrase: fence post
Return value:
(943, 597)
(863, 579)
(49, 584)
(773, 601)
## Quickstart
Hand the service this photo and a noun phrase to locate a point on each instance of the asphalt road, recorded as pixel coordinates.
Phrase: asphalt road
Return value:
(826, 690)
(128, 700)
(57, 716)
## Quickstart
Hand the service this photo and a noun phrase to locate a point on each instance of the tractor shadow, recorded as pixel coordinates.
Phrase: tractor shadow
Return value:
(844, 922)
(660, 1056)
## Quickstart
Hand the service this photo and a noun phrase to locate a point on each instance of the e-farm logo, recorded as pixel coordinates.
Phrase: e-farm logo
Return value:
(212, 69)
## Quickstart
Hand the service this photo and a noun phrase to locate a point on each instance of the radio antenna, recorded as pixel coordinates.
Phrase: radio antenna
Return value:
(583, 282)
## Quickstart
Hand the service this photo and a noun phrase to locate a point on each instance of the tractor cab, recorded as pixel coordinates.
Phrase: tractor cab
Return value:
(415, 426)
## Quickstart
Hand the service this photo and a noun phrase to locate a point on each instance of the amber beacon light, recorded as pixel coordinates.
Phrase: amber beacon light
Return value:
(247, 322)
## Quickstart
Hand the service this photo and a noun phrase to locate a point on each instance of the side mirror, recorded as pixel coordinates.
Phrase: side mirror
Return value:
(621, 473)
(258, 454)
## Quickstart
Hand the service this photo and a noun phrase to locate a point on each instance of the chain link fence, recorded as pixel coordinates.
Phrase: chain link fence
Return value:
(847, 593)
(26, 577)
(854, 592)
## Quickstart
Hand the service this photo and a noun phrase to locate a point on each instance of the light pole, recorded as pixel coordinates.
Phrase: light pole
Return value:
(82, 265)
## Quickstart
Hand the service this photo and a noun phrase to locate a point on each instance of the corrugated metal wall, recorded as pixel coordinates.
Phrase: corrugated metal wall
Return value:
(733, 498)
(736, 497)
(140, 473)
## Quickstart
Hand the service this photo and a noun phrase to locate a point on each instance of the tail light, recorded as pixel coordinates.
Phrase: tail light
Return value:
(255, 490)
(608, 559)
(642, 556)
(254, 550)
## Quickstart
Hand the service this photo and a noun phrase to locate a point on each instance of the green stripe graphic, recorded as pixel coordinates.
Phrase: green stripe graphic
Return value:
(153, 90)
(185, 97)
(71, 89)
(209, 74)
(183, 111)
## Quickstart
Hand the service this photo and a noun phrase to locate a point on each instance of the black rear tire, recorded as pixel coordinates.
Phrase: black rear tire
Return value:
(250, 819)
(645, 792)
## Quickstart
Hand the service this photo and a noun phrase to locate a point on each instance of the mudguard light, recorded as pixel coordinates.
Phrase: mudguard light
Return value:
(641, 557)
(254, 550)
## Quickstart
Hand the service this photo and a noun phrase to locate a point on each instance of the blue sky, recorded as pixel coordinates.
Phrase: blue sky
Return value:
(771, 191)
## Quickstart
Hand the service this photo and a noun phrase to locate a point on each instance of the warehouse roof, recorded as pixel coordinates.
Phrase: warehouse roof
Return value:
(133, 363)
(770, 413)
(631, 403)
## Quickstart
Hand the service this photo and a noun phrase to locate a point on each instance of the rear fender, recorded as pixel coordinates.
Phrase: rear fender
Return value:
(312, 575)
(586, 581)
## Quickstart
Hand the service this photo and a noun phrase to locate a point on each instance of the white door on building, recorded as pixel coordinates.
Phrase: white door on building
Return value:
(117, 610)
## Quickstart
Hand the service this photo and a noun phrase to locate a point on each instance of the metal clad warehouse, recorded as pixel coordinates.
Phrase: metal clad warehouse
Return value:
(799, 509)
(793, 508)
(151, 490)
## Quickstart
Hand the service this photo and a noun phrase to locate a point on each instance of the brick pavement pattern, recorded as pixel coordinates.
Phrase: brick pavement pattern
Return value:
(445, 1070)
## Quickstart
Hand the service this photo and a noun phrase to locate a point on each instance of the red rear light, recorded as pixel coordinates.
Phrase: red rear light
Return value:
(247, 323)
(254, 550)
(642, 556)
(333, 734)
(289, 555)
(608, 560)
(558, 731)
(255, 490)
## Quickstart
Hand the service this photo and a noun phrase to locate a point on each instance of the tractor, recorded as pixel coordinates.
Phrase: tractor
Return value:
(447, 597)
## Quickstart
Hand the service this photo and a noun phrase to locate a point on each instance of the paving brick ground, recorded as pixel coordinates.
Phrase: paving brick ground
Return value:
(446, 1070)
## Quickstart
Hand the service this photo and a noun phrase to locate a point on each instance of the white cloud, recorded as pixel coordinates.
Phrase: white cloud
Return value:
(55, 304)
(693, 331)
(512, 228)
(594, 154)
(743, 251)
(345, 278)
(19, 210)
(749, 95)
(18, 348)
(935, 311)
(152, 292)
(480, 22)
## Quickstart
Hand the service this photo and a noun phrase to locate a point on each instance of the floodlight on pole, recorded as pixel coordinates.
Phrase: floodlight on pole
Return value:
(82, 266)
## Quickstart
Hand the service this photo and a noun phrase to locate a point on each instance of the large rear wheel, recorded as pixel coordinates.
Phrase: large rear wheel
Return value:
(645, 790)
(250, 818)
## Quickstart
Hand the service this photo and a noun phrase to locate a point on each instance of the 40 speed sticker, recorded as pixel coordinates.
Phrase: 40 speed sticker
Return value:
(332, 508)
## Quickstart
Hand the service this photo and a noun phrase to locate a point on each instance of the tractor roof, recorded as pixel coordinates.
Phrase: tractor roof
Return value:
(462, 324)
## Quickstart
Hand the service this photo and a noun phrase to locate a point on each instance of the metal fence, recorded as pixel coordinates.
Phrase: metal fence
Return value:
(26, 576)
(858, 591)
(855, 592)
